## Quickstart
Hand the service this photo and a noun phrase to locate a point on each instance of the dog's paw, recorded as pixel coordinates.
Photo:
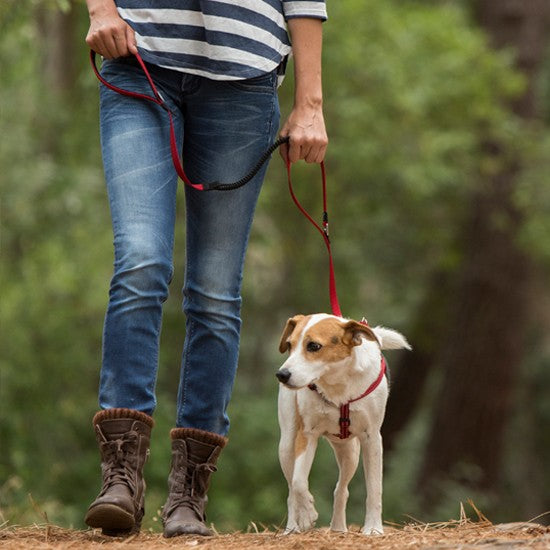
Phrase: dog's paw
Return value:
(306, 515)
(372, 530)
(306, 519)
(294, 530)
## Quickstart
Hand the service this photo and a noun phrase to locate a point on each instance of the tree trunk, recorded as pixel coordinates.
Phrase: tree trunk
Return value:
(57, 71)
(58, 35)
(482, 353)
(410, 373)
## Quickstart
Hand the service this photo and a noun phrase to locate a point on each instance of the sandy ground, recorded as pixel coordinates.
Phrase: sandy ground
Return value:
(458, 535)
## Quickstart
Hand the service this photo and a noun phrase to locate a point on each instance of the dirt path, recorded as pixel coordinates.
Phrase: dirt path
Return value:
(460, 535)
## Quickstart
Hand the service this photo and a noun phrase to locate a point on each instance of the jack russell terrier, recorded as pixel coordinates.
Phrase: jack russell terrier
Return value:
(333, 385)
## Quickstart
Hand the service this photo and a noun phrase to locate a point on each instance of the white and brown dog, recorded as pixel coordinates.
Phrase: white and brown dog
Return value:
(333, 385)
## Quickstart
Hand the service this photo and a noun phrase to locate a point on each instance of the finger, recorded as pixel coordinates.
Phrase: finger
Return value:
(294, 151)
(121, 44)
(283, 149)
(321, 154)
(125, 40)
(103, 44)
(110, 47)
(96, 43)
(312, 155)
(131, 40)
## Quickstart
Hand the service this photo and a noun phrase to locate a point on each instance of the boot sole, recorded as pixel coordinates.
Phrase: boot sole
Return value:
(186, 529)
(113, 521)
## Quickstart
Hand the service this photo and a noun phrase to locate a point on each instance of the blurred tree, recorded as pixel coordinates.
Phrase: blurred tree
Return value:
(407, 94)
(481, 345)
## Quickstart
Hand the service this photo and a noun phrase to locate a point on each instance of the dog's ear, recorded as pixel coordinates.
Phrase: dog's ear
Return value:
(353, 330)
(284, 344)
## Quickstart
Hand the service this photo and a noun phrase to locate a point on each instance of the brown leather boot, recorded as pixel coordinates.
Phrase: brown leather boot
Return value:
(194, 456)
(123, 436)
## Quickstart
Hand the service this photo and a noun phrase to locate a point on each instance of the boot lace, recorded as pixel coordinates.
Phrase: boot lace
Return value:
(120, 461)
(190, 486)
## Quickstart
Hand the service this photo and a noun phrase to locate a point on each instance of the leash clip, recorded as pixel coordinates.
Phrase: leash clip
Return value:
(325, 225)
(162, 102)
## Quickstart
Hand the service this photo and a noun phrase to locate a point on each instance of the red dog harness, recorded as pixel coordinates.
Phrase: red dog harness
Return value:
(344, 409)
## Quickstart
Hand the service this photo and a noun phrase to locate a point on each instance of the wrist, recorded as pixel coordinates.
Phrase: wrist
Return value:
(101, 7)
(308, 102)
(308, 89)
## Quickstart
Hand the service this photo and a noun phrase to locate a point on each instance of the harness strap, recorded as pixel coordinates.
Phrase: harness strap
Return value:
(344, 420)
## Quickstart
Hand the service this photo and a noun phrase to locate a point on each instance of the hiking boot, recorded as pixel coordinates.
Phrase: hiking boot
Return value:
(194, 456)
(123, 436)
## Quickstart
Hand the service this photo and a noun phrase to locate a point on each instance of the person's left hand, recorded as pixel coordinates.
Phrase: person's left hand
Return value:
(308, 137)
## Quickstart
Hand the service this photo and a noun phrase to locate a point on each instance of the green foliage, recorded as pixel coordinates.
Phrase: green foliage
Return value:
(411, 91)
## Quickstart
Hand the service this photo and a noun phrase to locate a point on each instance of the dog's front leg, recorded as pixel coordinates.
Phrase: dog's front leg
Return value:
(371, 444)
(301, 510)
(347, 457)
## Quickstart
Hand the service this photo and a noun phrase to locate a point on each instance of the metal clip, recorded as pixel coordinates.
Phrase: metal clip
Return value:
(325, 225)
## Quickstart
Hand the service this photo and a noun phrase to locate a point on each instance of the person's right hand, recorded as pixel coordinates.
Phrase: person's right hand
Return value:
(109, 35)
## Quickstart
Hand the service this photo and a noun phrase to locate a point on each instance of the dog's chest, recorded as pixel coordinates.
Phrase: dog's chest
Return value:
(323, 418)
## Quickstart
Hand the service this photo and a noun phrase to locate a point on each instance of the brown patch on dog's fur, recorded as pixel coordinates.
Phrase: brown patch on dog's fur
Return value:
(337, 339)
(296, 322)
(300, 441)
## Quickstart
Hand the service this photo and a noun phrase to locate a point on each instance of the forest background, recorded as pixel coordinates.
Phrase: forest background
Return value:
(439, 119)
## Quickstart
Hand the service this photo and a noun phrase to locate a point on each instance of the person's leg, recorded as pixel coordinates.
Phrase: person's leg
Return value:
(228, 126)
(141, 184)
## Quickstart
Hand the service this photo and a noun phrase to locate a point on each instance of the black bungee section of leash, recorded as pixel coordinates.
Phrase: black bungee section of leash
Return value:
(159, 100)
(215, 186)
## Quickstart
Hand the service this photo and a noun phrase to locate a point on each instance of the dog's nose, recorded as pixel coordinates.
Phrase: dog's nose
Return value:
(283, 375)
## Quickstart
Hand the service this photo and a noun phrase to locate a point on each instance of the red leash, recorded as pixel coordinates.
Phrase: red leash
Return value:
(335, 306)
(323, 229)
(159, 100)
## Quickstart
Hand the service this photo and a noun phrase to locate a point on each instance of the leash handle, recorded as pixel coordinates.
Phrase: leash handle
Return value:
(323, 230)
(159, 100)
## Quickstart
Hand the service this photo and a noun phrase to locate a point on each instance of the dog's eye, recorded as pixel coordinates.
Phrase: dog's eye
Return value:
(313, 347)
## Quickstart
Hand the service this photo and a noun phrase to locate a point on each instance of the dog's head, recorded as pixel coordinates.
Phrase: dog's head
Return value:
(319, 346)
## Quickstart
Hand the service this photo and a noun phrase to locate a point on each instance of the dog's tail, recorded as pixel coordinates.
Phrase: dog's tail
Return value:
(391, 339)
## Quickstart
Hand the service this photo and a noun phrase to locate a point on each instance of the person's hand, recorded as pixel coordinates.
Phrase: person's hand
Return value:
(109, 35)
(308, 137)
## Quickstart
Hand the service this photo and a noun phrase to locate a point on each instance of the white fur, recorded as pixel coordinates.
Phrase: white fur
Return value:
(390, 339)
(304, 416)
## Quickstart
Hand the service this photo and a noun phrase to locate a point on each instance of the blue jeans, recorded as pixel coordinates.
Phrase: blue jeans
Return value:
(223, 128)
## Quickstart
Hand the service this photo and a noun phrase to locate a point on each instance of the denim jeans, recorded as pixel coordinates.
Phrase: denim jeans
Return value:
(223, 127)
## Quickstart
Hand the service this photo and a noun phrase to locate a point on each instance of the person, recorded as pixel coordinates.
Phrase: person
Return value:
(217, 64)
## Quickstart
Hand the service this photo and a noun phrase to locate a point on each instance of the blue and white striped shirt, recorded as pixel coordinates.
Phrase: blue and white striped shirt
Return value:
(218, 39)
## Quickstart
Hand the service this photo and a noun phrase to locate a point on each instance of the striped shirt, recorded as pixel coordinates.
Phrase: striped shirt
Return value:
(218, 39)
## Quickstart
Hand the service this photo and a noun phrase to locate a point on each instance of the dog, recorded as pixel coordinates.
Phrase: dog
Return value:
(333, 385)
